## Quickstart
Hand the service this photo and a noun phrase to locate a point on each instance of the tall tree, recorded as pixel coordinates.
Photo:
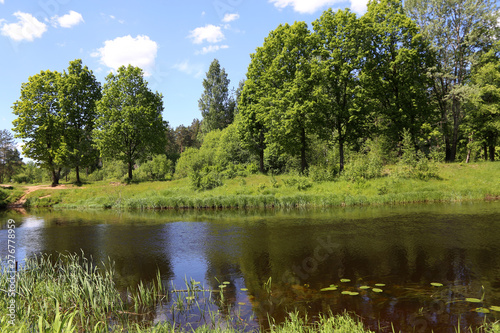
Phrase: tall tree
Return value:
(483, 116)
(457, 30)
(79, 93)
(215, 103)
(395, 76)
(41, 124)
(130, 124)
(340, 53)
(10, 159)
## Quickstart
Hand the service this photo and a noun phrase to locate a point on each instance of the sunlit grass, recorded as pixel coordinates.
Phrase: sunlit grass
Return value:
(456, 182)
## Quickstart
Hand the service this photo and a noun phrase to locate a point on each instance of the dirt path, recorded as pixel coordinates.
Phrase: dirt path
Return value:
(28, 189)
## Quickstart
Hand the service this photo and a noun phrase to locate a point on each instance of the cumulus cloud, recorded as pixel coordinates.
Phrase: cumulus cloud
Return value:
(230, 17)
(27, 28)
(311, 6)
(209, 33)
(68, 20)
(140, 51)
(187, 67)
(2, 1)
(359, 6)
(212, 48)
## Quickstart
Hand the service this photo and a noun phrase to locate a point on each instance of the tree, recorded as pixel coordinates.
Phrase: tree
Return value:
(10, 159)
(41, 124)
(458, 30)
(215, 103)
(483, 118)
(340, 53)
(79, 93)
(129, 125)
(394, 78)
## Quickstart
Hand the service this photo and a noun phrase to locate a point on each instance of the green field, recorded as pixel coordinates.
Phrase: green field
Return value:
(455, 183)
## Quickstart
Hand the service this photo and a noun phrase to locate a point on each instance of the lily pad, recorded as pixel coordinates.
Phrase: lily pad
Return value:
(222, 286)
(473, 300)
(190, 298)
(351, 293)
(345, 280)
(436, 284)
(226, 282)
(244, 289)
(377, 290)
(329, 289)
(242, 303)
(333, 286)
(380, 284)
(364, 287)
(482, 310)
(495, 308)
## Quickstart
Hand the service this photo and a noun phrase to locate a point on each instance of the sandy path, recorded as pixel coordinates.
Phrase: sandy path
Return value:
(28, 189)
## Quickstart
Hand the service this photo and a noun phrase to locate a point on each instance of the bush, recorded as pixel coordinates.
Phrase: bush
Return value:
(414, 164)
(300, 183)
(31, 174)
(322, 173)
(111, 169)
(159, 168)
(363, 165)
(205, 179)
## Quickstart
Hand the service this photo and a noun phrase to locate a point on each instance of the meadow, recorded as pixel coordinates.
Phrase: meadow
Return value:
(453, 183)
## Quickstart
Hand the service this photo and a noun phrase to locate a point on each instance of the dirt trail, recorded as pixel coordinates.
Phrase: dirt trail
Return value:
(28, 189)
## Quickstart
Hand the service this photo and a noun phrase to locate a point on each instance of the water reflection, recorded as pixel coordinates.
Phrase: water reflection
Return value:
(296, 254)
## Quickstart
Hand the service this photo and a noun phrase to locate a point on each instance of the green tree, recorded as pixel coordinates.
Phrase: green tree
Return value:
(79, 93)
(130, 125)
(10, 159)
(340, 53)
(394, 78)
(483, 117)
(458, 30)
(41, 124)
(215, 104)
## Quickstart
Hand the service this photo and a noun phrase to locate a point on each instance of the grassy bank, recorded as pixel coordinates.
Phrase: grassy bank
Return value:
(455, 182)
(68, 294)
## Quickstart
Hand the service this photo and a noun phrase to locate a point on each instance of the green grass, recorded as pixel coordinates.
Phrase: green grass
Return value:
(10, 195)
(456, 182)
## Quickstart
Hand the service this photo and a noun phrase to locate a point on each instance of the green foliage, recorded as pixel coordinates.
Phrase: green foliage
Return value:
(216, 107)
(159, 168)
(413, 164)
(301, 183)
(30, 174)
(110, 170)
(205, 179)
(40, 123)
(10, 159)
(129, 126)
(366, 164)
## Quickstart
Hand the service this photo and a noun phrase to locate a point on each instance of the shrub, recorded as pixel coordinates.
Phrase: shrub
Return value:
(300, 183)
(205, 179)
(159, 168)
(363, 165)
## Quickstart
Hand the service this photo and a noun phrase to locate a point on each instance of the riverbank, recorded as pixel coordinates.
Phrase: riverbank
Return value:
(455, 183)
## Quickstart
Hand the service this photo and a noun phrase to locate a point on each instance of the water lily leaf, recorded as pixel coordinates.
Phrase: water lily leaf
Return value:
(244, 289)
(377, 290)
(354, 293)
(329, 289)
(345, 280)
(242, 303)
(189, 298)
(495, 308)
(346, 292)
(380, 284)
(333, 286)
(482, 310)
(222, 286)
(364, 287)
(226, 282)
(473, 300)
(436, 284)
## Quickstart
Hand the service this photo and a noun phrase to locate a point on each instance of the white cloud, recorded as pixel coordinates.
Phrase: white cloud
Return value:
(123, 51)
(27, 28)
(186, 67)
(230, 17)
(211, 49)
(209, 33)
(68, 20)
(359, 6)
(2, 1)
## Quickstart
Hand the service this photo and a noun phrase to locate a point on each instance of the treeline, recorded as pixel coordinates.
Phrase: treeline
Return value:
(408, 83)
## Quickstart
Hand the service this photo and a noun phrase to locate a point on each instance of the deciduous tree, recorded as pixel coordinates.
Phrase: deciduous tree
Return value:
(130, 124)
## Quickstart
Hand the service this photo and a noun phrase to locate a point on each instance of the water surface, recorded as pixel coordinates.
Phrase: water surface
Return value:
(406, 248)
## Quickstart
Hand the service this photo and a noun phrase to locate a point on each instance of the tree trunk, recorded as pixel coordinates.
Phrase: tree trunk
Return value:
(303, 148)
(492, 152)
(77, 174)
(55, 177)
(485, 147)
(261, 160)
(130, 165)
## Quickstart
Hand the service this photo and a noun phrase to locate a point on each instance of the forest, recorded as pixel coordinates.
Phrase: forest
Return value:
(413, 84)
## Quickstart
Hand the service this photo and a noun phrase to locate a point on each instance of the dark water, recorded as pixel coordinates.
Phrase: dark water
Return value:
(404, 247)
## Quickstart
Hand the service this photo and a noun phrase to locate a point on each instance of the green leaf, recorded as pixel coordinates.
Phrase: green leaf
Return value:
(364, 287)
(495, 308)
(377, 290)
(345, 280)
(380, 284)
(436, 284)
(482, 310)
(329, 289)
(473, 300)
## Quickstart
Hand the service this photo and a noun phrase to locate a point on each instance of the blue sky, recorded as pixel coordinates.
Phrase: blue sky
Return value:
(173, 41)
